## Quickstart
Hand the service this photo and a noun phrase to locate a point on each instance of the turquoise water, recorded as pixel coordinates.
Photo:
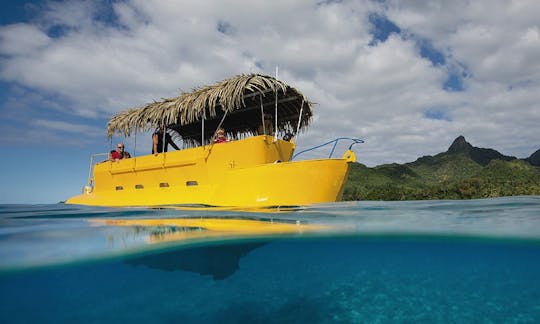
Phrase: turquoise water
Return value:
(376, 262)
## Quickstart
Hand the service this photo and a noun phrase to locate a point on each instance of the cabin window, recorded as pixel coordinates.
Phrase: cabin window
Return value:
(164, 185)
(119, 188)
(139, 186)
(192, 183)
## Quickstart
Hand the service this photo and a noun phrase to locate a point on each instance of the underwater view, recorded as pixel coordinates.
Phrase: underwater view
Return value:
(350, 262)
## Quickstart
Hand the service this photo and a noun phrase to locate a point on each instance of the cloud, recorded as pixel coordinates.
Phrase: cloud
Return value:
(22, 40)
(435, 71)
(67, 127)
(497, 40)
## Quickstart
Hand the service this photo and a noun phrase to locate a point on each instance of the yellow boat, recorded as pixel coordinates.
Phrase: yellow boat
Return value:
(255, 168)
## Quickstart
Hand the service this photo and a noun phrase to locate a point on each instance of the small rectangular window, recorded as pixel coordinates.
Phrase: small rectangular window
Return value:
(139, 186)
(164, 185)
(192, 183)
(119, 188)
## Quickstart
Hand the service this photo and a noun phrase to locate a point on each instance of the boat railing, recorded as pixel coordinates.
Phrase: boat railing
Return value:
(335, 142)
(91, 168)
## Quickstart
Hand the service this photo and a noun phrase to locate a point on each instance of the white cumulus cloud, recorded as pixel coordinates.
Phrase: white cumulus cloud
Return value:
(93, 60)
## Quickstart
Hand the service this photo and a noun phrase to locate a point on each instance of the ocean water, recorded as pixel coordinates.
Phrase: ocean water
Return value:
(472, 261)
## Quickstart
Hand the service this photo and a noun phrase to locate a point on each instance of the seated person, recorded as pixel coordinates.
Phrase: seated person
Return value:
(119, 153)
(220, 136)
(159, 145)
(268, 128)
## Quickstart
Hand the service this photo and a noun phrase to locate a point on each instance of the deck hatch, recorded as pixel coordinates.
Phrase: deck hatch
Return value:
(119, 188)
(139, 186)
(163, 184)
(192, 183)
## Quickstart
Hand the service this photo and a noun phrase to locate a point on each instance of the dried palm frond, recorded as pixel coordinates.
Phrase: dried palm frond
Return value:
(240, 97)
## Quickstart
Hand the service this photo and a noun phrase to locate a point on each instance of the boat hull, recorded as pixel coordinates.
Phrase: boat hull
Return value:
(245, 173)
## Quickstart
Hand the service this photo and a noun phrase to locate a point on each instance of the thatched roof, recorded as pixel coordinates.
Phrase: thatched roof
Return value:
(240, 97)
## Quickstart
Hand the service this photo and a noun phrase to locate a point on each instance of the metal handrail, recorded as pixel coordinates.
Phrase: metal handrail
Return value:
(91, 169)
(335, 141)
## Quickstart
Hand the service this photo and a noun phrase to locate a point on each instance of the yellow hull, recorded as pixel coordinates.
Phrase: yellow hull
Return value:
(244, 173)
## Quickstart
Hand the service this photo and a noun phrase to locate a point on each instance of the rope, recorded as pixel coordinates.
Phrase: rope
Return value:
(299, 118)
(262, 116)
(276, 126)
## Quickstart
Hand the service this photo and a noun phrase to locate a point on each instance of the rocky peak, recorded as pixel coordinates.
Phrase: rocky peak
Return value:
(480, 155)
(460, 145)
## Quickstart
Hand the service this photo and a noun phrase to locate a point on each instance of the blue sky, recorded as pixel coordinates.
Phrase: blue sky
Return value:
(407, 77)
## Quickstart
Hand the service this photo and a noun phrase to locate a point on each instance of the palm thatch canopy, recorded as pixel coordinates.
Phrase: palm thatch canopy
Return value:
(243, 98)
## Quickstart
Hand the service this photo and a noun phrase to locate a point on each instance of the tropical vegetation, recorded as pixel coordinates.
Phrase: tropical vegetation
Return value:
(462, 172)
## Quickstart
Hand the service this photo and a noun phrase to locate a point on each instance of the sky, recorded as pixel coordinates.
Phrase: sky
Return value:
(407, 77)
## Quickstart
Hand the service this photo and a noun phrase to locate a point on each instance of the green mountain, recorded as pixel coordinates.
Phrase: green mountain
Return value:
(462, 172)
(534, 159)
(481, 156)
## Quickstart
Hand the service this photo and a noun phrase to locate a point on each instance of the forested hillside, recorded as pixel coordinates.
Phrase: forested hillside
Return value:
(462, 172)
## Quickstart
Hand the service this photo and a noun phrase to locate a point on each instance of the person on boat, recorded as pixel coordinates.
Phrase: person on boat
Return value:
(220, 136)
(119, 153)
(268, 128)
(161, 144)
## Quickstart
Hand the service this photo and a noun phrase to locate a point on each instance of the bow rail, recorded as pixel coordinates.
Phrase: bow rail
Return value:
(335, 141)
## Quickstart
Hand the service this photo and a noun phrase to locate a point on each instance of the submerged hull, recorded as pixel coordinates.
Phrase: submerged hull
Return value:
(244, 173)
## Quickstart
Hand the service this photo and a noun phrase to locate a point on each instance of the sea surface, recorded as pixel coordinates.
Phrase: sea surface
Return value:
(475, 261)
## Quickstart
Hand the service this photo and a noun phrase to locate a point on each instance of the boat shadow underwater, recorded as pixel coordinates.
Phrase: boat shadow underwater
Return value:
(219, 261)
